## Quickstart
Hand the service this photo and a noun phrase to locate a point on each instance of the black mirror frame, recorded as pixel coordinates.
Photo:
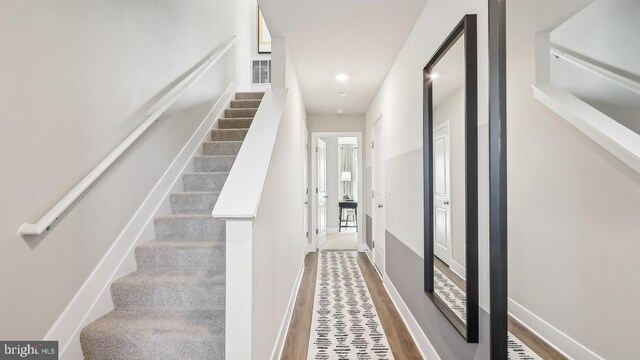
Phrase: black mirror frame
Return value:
(498, 237)
(468, 28)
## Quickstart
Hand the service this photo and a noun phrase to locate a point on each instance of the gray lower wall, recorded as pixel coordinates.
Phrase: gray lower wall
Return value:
(369, 232)
(405, 270)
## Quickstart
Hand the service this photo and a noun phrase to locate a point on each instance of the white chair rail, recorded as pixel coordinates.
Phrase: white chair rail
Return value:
(152, 116)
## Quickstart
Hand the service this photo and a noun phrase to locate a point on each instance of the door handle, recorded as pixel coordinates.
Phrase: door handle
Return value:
(306, 202)
(326, 196)
(446, 203)
(380, 206)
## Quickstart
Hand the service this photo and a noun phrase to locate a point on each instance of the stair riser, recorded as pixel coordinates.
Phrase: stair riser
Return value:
(240, 113)
(245, 104)
(213, 164)
(193, 203)
(153, 347)
(228, 134)
(127, 296)
(222, 148)
(249, 95)
(234, 123)
(204, 182)
(208, 229)
(210, 259)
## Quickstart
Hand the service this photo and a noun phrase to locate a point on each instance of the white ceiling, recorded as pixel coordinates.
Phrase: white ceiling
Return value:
(360, 38)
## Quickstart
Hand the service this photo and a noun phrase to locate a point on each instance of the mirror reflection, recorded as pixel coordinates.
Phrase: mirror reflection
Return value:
(449, 208)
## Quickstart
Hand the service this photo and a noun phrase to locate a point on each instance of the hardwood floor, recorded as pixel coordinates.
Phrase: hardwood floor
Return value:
(533, 342)
(297, 342)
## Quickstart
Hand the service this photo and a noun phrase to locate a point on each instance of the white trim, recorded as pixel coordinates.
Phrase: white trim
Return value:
(152, 115)
(610, 134)
(458, 269)
(240, 196)
(557, 339)
(419, 337)
(93, 299)
(367, 251)
(312, 189)
(284, 328)
(239, 289)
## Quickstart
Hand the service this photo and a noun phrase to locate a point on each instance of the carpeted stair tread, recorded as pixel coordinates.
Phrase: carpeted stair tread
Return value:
(237, 123)
(239, 113)
(189, 226)
(228, 134)
(246, 103)
(204, 181)
(221, 147)
(213, 163)
(181, 255)
(249, 95)
(155, 334)
(193, 202)
(173, 290)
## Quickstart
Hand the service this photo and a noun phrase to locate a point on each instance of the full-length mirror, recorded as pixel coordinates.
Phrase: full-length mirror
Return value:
(451, 210)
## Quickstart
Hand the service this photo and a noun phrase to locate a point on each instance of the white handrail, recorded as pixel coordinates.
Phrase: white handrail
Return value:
(621, 80)
(152, 116)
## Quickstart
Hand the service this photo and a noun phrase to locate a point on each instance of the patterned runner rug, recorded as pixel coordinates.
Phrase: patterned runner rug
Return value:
(345, 323)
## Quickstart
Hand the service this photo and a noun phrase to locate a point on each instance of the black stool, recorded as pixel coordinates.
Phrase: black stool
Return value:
(347, 205)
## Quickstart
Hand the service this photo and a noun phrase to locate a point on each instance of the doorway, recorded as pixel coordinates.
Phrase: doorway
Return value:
(379, 195)
(336, 191)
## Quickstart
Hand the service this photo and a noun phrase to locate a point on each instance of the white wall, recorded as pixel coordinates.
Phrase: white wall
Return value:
(336, 123)
(603, 34)
(573, 223)
(78, 75)
(279, 240)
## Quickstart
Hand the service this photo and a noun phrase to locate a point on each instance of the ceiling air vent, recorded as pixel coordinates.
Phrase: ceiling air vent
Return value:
(261, 70)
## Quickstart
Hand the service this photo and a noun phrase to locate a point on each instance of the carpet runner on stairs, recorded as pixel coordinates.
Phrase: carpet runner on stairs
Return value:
(173, 306)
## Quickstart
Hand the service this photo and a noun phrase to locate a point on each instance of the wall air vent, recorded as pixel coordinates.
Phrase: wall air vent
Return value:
(261, 70)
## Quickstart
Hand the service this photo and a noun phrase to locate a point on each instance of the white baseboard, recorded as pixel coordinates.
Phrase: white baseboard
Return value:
(93, 299)
(562, 342)
(458, 269)
(310, 247)
(422, 342)
(284, 328)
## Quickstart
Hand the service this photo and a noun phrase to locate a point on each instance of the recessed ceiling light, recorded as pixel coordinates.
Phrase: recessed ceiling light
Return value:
(435, 75)
(342, 93)
(342, 77)
(339, 111)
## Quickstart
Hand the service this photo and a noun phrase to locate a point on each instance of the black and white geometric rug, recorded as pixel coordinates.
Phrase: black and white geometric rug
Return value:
(345, 323)
(450, 293)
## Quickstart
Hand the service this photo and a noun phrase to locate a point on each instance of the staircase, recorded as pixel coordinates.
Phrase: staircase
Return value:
(173, 306)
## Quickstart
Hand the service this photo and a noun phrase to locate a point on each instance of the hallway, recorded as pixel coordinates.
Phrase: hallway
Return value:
(298, 337)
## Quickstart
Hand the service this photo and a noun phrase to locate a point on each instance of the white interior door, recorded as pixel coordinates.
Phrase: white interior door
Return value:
(379, 191)
(442, 193)
(321, 192)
